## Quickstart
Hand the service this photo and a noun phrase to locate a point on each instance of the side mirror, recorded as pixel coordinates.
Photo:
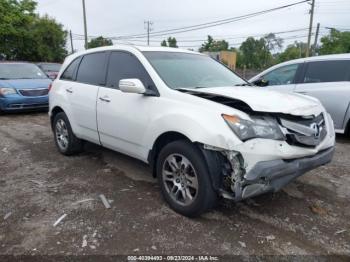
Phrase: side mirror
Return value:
(132, 85)
(261, 82)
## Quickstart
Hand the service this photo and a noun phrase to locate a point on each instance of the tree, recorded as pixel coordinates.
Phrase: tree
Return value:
(212, 45)
(273, 42)
(99, 41)
(254, 54)
(50, 40)
(27, 36)
(294, 51)
(171, 42)
(335, 43)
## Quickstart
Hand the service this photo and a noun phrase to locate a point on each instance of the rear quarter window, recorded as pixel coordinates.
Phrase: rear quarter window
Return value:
(69, 73)
(327, 71)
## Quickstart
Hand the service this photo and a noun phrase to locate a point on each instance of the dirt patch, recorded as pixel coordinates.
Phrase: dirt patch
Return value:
(38, 186)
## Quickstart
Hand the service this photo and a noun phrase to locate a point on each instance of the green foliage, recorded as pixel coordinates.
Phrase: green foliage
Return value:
(254, 53)
(49, 39)
(26, 36)
(257, 53)
(294, 51)
(335, 43)
(214, 45)
(99, 41)
(171, 42)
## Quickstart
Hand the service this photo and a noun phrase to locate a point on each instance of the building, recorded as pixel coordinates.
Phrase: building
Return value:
(228, 58)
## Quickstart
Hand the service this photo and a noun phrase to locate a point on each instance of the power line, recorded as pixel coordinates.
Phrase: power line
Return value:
(238, 44)
(208, 24)
(227, 37)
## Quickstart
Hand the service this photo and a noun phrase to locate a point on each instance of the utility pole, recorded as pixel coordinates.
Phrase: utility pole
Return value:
(316, 39)
(148, 27)
(310, 28)
(71, 40)
(85, 25)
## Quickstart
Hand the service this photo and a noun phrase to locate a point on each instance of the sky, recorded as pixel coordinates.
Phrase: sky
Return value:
(114, 18)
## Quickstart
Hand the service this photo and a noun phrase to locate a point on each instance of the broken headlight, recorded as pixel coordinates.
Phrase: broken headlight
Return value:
(259, 127)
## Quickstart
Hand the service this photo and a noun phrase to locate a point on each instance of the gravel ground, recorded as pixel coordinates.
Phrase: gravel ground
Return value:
(311, 216)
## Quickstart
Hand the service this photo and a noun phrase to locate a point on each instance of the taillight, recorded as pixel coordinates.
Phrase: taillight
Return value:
(50, 86)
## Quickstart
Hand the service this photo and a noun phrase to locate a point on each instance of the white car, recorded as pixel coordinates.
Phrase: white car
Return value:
(205, 134)
(325, 77)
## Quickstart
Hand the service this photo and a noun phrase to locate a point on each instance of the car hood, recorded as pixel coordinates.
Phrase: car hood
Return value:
(262, 100)
(25, 83)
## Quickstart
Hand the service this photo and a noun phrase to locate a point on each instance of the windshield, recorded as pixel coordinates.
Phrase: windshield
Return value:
(21, 71)
(50, 67)
(184, 70)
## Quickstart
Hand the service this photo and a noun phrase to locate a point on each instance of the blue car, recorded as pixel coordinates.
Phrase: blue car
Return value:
(23, 86)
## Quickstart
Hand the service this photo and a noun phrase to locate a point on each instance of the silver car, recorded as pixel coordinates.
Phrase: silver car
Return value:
(324, 77)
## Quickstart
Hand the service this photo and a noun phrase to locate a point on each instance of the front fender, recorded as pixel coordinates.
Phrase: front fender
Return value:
(210, 130)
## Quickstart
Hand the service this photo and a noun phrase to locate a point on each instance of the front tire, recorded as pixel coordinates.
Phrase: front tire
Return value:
(184, 179)
(66, 142)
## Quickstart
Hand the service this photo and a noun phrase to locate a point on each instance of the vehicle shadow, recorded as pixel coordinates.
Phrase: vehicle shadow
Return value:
(131, 167)
(341, 138)
(24, 113)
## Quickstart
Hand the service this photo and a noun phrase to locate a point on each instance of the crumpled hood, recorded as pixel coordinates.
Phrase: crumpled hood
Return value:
(26, 83)
(263, 100)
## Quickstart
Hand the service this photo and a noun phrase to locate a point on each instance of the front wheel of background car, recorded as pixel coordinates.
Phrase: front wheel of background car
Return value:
(184, 179)
(67, 143)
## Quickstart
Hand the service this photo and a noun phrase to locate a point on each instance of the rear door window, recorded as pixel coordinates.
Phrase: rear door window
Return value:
(123, 65)
(92, 69)
(327, 71)
(284, 75)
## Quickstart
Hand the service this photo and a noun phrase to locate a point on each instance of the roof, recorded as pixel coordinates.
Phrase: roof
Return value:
(133, 47)
(318, 58)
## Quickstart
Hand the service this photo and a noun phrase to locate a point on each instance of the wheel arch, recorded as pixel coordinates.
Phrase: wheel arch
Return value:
(213, 159)
(54, 112)
(161, 141)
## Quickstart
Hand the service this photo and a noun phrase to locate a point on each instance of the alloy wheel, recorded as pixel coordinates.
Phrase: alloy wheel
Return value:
(180, 179)
(62, 137)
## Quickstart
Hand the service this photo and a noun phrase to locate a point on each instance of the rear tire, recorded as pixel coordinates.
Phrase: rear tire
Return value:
(66, 142)
(184, 179)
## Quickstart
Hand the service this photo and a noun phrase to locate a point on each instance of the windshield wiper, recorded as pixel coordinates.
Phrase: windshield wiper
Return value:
(244, 84)
(189, 88)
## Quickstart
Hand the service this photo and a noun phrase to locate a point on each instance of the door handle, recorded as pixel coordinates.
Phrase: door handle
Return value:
(105, 99)
(69, 90)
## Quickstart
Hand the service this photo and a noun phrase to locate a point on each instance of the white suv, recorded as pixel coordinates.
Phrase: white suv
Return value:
(205, 134)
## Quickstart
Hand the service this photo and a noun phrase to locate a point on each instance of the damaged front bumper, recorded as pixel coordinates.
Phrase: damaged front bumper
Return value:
(234, 182)
(271, 176)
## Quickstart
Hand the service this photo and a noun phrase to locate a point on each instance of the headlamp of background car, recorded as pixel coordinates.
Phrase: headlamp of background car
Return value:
(7, 91)
(260, 127)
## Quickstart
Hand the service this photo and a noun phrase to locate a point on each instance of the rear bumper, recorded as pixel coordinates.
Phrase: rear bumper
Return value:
(271, 176)
(20, 103)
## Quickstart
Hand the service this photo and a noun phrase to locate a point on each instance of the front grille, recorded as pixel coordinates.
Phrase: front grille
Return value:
(308, 132)
(34, 92)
